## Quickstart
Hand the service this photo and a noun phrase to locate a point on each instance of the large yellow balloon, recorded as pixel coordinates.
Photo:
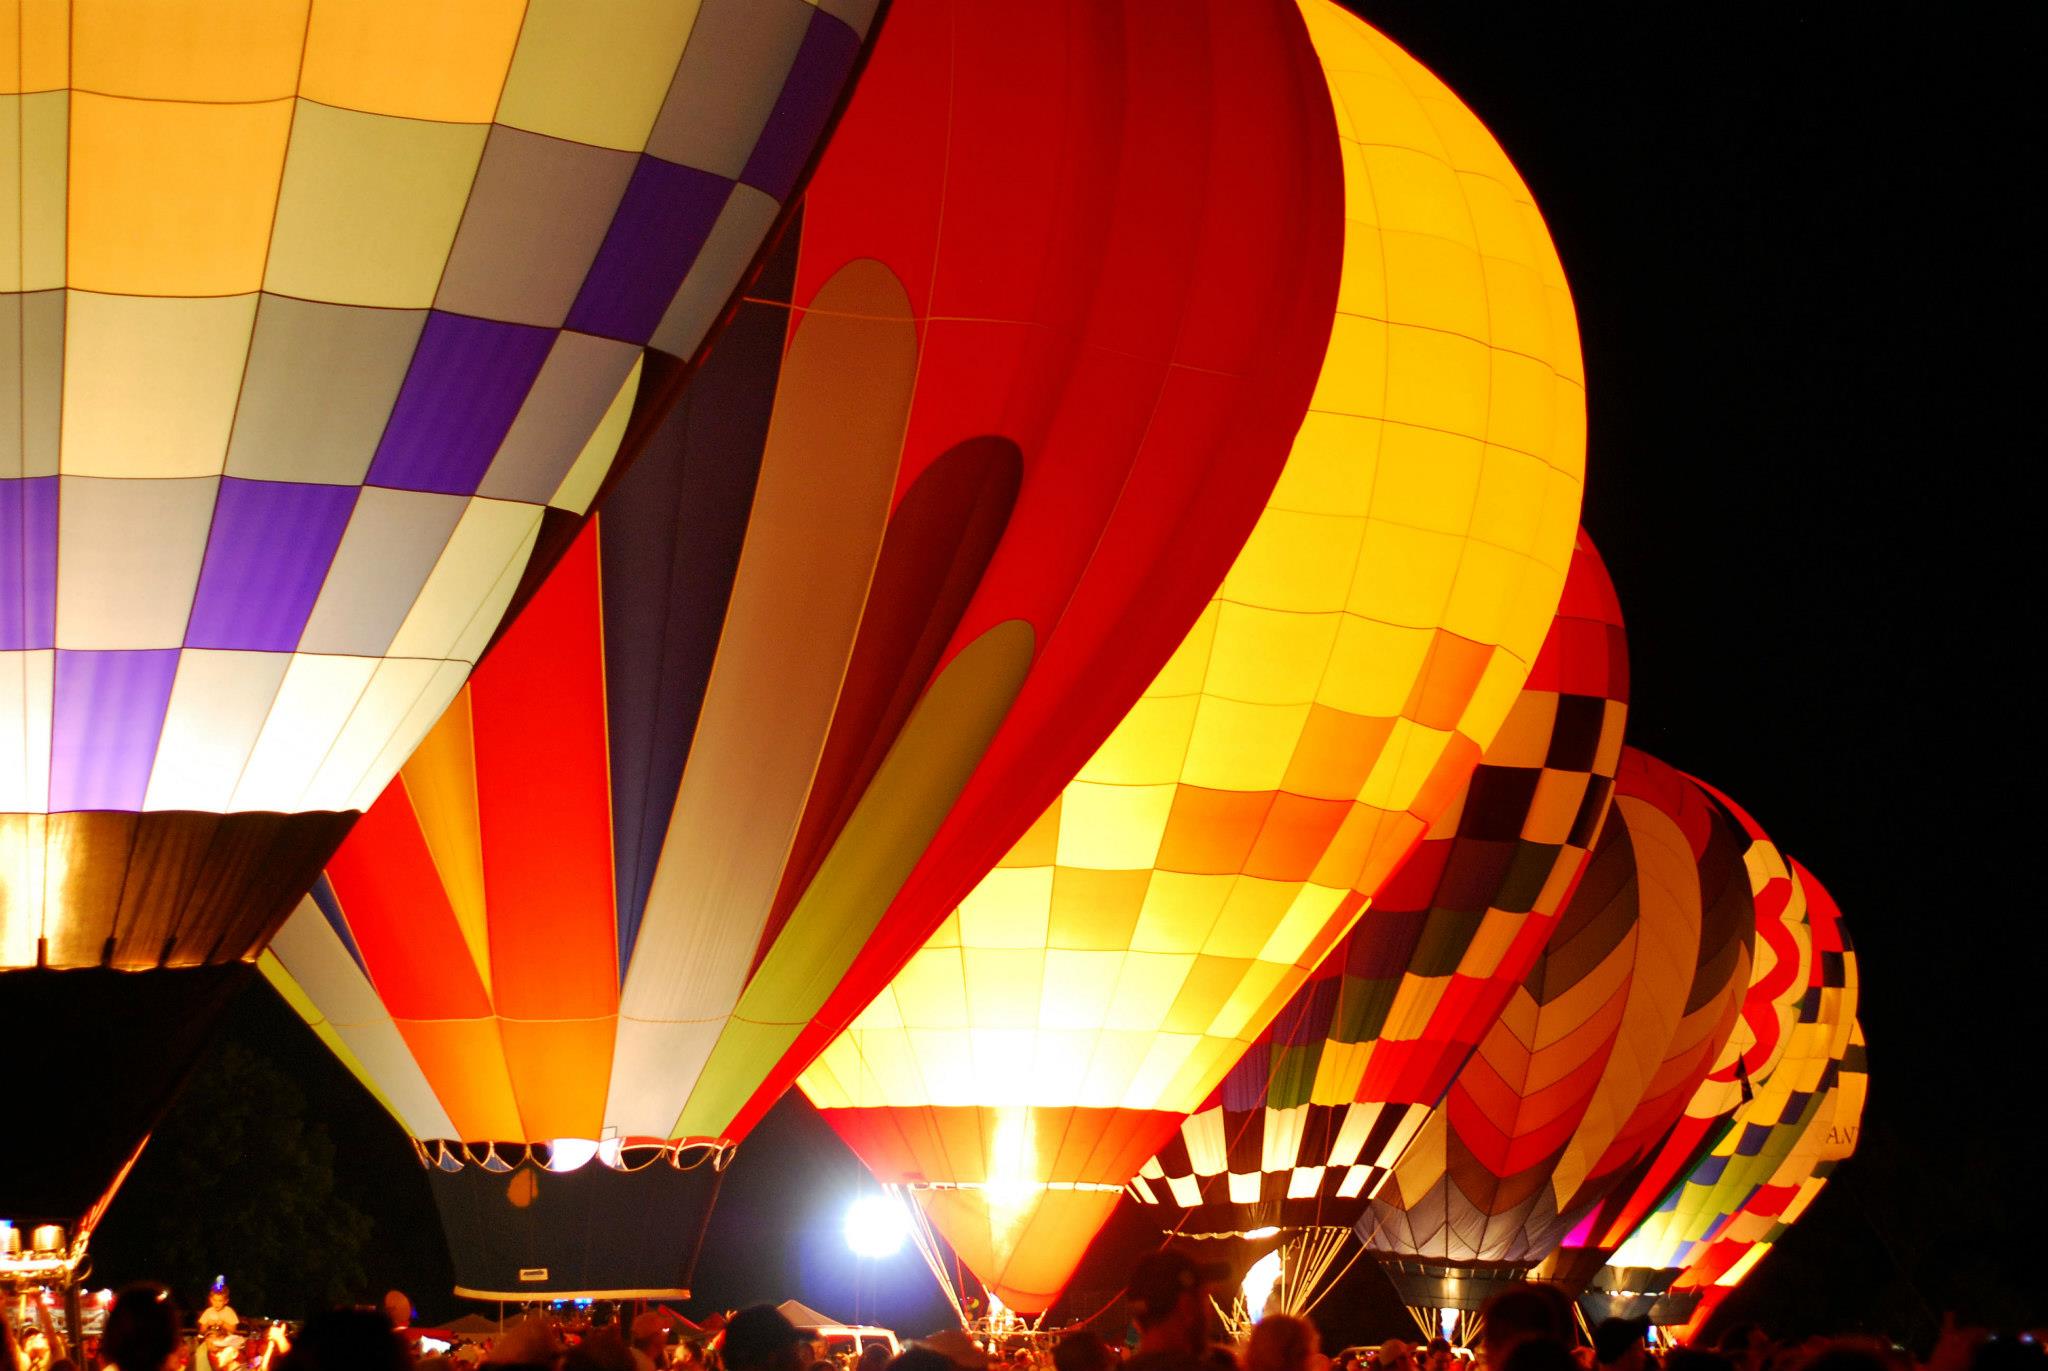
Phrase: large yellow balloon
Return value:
(1358, 657)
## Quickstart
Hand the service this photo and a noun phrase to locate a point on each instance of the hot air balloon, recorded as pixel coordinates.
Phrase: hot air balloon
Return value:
(1779, 973)
(325, 323)
(1651, 948)
(1287, 1151)
(1365, 647)
(966, 464)
(1800, 1116)
(1747, 1238)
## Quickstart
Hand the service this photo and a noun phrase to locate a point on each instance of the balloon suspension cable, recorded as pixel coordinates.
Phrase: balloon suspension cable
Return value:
(1304, 1261)
(927, 1244)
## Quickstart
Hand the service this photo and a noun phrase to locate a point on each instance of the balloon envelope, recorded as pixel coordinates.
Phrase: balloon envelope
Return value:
(1365, 646)
(1306, 1125)
(1650, 938)
(325, 323)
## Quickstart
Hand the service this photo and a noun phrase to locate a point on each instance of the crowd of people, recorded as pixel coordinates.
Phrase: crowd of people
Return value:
(1170, 1301)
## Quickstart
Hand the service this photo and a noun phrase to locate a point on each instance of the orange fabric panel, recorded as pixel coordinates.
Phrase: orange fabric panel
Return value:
(544, 803)
(1297, 832)
(1449, 675)
(560, 1072)
(973, 1145)
(464, 1060)
(1210, 832)
(1024, 1247)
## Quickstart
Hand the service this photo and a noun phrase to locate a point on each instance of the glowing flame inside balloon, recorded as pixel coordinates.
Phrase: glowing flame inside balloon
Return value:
(1258, 1284)
(874, 1226)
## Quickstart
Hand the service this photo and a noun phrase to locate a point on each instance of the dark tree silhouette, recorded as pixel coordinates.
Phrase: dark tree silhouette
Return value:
(237, 1181)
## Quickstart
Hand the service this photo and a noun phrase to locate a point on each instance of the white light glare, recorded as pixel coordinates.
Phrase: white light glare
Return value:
(1259, 1283)
(874, 1226)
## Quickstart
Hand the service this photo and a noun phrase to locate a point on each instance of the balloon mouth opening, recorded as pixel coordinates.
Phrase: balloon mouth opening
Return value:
(561, 1155)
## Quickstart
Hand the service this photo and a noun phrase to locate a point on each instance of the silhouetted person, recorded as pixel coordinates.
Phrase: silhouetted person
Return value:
(141, 1332)
(1526, 1313)
(1082, 1350)
(760, 1339)
(1281, 1342)
(348, 1340)
(1618, 1344)
(1169, 1296)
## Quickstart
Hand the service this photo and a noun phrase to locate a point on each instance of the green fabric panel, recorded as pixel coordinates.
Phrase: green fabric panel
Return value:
(1446, 934)
(1362, 1008)
(894, 822)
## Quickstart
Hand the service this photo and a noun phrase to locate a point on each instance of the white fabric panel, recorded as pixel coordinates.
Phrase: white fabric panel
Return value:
(150, 383)
(1245, 1187)
(426, 711)
(311, 708)
(490, 610)
(308, 948)
(645, 1098)
(1359, 1120)
(218, 705)
(128, 555)
(26, 684)
(393, 540)
(587, 472)
(1281, 1146)
(1304, 1182)
(1206, 1144)
(1353, 1182)
(1186, 1191)
(567, 404)
(489, 536)
(387, 703)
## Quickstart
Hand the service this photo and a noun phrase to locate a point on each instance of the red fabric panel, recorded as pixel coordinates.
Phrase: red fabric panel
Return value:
(399, 915)
(1101, 166)
(544, 804)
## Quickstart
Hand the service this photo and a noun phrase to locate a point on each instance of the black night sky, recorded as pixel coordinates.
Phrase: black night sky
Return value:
(1804, 245)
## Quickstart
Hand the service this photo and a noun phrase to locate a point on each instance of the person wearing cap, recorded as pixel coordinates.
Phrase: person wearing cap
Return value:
(650, 1341)
(1395, 1355)
(761, 1339)
(1169, 1296)
(1618, 1344)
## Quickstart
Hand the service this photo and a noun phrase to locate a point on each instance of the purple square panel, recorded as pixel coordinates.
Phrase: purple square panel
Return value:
(28, 563)
(266, 559)
(667, 213)
(109, 714)
(816, 78)
(466, 383)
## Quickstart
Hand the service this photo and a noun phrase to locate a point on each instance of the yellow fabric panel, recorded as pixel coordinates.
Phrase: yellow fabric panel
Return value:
(595, 74)
(150, 383)
(444, 61)
(1148, 748)
(33, 160)
(170, 198)
(220, 51)
(1096, 910)
(302, 1004)
(440, 780)
(35, 45)
(1112, 827)
(370, 206)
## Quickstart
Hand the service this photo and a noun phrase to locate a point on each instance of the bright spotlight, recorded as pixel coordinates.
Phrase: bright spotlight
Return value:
(874, 1226)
